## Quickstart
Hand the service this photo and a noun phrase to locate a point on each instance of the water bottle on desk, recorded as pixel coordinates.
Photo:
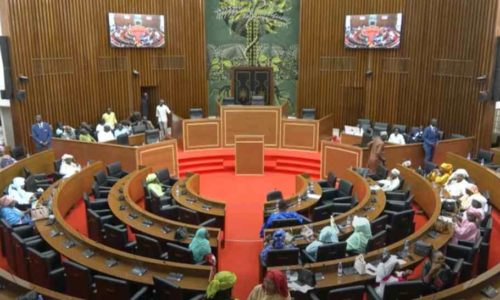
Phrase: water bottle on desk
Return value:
(468, 156)
(340, 270)
(482, 161)
(177, 190)
(406, 248)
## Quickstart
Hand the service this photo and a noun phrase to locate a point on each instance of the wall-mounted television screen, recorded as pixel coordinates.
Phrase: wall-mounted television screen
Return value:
(136, 31)
(382, 31)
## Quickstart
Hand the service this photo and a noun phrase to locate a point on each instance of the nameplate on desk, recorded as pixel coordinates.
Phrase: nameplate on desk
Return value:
(123, 207)
(432, 234)
(191, 200)
(206, 207)
(88, 253)
(147, 223)
(165, 229)
(55, 232)
(139, 271)
(172, 276)
(69, 243)
(111, 262)
(133, 216)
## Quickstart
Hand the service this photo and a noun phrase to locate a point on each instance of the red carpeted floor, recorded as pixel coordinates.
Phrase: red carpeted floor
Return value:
(244, 197)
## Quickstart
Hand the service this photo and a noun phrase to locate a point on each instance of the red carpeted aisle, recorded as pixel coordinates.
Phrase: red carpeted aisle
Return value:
(244, 197)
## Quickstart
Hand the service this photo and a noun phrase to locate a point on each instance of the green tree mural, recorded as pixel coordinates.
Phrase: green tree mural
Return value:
(252, 33)
(252, 19)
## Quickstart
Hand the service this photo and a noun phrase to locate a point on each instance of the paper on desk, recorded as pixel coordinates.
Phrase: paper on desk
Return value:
(314, 196)
(375, 187)
(300, 288)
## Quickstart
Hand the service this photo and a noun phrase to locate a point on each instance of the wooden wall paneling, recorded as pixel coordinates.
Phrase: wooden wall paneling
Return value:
(445, 45)
(74, 74)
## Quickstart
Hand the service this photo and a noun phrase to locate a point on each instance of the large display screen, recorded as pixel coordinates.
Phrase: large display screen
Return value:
(382, 31)
(136, 31)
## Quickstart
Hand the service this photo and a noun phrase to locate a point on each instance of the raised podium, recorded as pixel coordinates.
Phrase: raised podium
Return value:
(249, 154)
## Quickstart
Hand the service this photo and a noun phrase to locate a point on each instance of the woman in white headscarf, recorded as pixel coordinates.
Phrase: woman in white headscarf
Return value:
(17, 192)
(392, 182)
(68, 166)
(387, 272)
(457, 184)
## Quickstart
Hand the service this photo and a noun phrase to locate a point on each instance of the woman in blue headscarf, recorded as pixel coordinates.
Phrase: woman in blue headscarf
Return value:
(277, 242)
(200, 246)
(327, 235)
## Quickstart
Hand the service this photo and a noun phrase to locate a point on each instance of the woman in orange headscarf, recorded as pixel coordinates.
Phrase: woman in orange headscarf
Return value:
(273, 287)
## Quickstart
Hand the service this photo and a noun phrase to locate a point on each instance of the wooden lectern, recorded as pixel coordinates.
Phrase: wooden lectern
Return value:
(249, 155)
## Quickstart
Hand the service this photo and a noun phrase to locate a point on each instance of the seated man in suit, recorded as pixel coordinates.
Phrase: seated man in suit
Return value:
(281, 214)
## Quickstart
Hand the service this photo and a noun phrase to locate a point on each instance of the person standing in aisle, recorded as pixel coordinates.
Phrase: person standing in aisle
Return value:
(162, 112)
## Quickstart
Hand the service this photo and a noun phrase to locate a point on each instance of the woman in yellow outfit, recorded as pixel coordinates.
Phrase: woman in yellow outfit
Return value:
(440, 176)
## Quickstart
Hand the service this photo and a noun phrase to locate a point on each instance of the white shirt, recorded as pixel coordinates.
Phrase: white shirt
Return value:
(69, 169)
(99, 128)
(103, 136)
(161, 113)
(457, 189)
(389, 185)
(399, 139)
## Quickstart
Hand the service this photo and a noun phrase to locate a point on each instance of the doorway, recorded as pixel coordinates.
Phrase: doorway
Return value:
(149, 108)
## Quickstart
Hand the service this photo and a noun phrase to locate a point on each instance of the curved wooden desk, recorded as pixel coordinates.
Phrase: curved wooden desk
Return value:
(189, 197)
(301, 185)
(68, 194)
(368, 206)
(471, 289)
(486, 179)
(13, 287)
(133, 193)
(427, 198)
(42, 162)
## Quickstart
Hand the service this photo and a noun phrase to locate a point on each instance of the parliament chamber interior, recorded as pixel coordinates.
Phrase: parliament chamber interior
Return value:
(250, 149)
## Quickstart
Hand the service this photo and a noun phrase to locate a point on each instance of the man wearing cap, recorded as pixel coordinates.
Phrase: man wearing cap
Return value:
(68, 166)
(392, 182)
(10, 214)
